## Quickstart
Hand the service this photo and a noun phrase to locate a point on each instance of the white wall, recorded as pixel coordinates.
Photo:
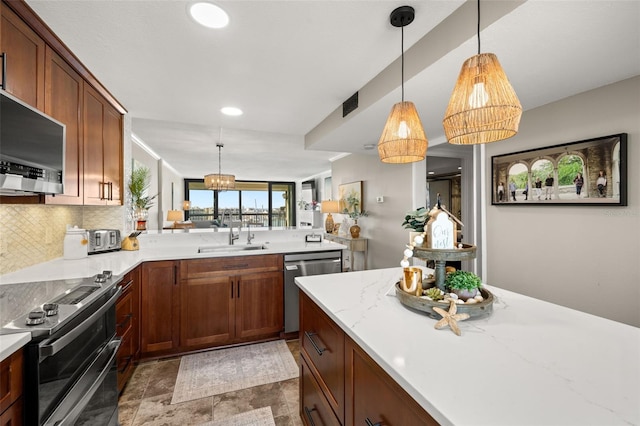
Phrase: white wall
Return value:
(172, 185)
(587, 258)
(383, 226)
(140, 155)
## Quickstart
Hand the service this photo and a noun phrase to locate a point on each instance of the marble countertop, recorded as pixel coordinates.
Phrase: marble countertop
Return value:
(530, 362)
(153, 247)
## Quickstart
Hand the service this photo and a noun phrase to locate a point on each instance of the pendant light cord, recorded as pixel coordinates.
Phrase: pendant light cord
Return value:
(478, 27)
(402, 60)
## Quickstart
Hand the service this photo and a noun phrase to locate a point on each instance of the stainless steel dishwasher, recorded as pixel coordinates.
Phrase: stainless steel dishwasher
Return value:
(302, 265)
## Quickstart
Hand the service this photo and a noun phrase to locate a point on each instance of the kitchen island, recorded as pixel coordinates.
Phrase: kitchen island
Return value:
(530, 362)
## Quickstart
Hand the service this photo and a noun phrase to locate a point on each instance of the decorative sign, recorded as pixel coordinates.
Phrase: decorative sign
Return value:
(441, 232)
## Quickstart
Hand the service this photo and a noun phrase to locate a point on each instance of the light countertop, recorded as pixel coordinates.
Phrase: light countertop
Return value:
(530, 362)
(152, 247)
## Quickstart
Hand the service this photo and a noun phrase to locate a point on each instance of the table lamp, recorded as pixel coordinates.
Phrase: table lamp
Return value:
(175, 216)
(329, 207)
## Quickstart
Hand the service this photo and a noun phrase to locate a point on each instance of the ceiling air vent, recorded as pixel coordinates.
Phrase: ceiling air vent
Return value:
(350, 104)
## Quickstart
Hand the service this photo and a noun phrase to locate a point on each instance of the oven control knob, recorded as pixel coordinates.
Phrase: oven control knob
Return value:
(107, 274)
(100, 278)
(50, 309)
(35, 318)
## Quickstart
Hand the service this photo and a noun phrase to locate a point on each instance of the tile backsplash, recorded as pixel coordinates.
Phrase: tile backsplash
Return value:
(31, 234)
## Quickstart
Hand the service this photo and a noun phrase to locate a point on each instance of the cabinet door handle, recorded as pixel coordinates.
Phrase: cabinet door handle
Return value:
(315, 345)
(238, 284)
(308, 413)
(101, 190)
(370, 423)
(109, 191)
(4, 71)
(175, 274)
(232, 283)
(127, 320)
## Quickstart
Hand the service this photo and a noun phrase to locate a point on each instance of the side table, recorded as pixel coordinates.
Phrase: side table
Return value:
(353, 245)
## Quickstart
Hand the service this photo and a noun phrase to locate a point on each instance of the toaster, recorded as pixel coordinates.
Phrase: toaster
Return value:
(104, 240)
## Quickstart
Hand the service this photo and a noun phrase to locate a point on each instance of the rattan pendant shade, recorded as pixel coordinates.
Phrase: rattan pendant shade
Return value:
(403, 139)
(483, 106)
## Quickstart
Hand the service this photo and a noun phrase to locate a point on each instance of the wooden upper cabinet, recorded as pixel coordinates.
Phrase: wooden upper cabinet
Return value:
(25, 58)
(63, 101)
(102, 138)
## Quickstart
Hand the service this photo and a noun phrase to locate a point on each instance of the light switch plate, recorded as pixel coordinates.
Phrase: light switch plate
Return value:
(380, 199)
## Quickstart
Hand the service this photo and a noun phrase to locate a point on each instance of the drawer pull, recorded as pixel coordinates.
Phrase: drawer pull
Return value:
(129, 358)
(315, 345)
(127, 320)
(370, 423)
(308, 413)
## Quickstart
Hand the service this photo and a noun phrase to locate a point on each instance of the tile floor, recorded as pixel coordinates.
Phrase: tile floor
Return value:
(146, 398)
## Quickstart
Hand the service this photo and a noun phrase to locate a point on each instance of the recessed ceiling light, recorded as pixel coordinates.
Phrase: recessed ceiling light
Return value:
(209, 15)
(431, 173)
(459, 168)
(369, 146)
(233, 111)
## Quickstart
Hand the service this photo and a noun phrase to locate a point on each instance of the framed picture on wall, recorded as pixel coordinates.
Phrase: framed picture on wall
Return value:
(350, 196)
(591, 172)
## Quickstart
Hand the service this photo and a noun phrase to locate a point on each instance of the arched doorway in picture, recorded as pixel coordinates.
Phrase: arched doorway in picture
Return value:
(518, 183)
(571, 181)
(542, 179)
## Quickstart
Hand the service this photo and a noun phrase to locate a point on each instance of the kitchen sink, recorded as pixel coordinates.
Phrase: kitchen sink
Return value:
(223, 249)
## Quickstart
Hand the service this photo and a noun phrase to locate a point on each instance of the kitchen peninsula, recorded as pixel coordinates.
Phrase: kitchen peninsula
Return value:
(530, 362)
(154, 247)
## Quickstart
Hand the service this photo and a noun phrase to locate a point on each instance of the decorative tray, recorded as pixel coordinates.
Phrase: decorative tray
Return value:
(474, 310)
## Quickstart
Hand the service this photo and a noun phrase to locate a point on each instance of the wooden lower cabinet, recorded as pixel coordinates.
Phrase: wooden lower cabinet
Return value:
(230, 300)
(341, 385)
(127, 326)
(13, 415)
(322, 346)
(374, 397)
(159, 308)
(11, 380)
(314, 407)
(196, 304)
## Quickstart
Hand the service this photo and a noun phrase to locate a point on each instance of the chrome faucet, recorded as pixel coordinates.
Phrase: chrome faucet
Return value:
(232, 235)
(250, 236)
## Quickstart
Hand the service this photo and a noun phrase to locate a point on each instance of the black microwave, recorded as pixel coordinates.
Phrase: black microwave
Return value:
(32, 147)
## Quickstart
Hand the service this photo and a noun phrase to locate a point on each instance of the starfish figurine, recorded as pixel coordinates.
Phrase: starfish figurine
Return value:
(450, 318)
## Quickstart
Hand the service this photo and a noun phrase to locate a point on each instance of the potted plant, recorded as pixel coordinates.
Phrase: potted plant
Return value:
(355, 212)
(416, 220)
(141, 202)
(463, 283)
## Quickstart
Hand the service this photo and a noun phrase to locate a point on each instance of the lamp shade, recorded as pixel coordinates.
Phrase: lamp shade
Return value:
(483, 106)
(219, 182)
(403, 139)
(329, 206)
(174, 215)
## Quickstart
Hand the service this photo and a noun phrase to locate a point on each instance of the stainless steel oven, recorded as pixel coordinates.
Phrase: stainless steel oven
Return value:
(70, 368)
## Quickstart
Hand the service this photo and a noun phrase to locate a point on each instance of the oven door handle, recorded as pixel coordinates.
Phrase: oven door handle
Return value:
(53, 346)
(78, 406)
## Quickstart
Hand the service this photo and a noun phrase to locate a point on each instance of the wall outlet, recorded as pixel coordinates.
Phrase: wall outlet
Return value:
(380, 199)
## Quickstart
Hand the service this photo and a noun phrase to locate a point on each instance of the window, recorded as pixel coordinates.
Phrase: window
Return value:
(252, 203)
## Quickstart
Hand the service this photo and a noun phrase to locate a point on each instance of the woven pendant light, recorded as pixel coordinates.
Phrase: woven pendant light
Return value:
(483, 106)
(403, 139)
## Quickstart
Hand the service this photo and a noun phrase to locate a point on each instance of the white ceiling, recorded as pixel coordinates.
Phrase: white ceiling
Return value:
(290, 64)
